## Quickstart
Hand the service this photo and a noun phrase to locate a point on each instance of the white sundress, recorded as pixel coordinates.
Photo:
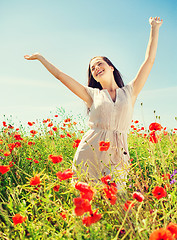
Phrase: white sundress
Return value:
(109, 121)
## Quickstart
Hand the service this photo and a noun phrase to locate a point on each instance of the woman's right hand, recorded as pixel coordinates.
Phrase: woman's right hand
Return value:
(33, 56)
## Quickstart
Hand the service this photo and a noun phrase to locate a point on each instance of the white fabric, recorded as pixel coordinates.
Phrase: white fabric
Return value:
(108, 121)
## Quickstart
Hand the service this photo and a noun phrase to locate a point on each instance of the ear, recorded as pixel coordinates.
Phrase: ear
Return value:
(112, 68)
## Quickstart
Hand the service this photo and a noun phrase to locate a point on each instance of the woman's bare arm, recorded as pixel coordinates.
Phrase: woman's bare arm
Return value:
(69, 82)
(146, 67)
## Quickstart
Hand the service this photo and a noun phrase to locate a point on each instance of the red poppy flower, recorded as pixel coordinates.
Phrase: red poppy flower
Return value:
(50, 124)
(31, 143)
(110, 194)
(166, 176)
(10, 127)
(172, 227)
(87, 195)
(128, 204)
(55, 129)
(69, 135)
(88, 220)
(85, 190)
(35, 180)
(106, 179)
(82, 206)
(153, 137)
(112, 188)
(161, 234)
(113, 199)
(74, 123)
(155, 127)
(56, 188)
(159, 192)
(76, 143)
(50, 132)
(18, 219)
(18, 144)
(11, 146)
(44, 121)
(4, 124)
(55, 158)
(63, 215)
(104, 146)
(29, 159)
(35, 161)
(67, 120)
(62, 136)
(30, 123)
(17, 136)
(56, 115)
(136, 121)
(138, 196)
(11, 164)
(65, 175)
(165, 133)
(33, 132)
(81, 186)
(4, 169)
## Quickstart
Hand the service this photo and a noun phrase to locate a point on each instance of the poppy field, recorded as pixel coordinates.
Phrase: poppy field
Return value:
(38, 200)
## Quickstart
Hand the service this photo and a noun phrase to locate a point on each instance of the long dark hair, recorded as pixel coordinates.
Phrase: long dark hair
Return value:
(94, 84)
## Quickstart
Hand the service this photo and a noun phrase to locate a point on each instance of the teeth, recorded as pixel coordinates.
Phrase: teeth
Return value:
(99, 72)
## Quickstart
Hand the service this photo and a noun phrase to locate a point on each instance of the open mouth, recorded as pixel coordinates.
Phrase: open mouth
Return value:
(99, 72)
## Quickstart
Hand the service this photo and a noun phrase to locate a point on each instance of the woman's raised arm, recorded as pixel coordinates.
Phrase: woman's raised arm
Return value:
(69, 82)
(146, 67)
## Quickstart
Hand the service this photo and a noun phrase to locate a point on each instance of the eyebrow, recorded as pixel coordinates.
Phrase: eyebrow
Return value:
(94, 65)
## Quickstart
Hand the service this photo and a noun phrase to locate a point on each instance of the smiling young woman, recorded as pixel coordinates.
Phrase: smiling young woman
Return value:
(110, 106)
(104, 75)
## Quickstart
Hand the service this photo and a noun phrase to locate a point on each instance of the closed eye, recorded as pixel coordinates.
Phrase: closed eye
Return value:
(99, 63)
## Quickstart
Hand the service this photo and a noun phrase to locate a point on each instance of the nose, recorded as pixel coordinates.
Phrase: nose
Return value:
(97, 67)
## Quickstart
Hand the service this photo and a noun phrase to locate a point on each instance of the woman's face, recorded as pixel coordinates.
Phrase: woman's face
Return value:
(100, 69)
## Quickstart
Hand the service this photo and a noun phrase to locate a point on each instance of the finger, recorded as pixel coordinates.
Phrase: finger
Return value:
(28, 58)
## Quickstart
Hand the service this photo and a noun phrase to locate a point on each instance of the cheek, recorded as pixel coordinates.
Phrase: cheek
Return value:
(93, 74)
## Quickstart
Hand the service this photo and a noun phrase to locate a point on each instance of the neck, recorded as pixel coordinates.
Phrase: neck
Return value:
(109, 84)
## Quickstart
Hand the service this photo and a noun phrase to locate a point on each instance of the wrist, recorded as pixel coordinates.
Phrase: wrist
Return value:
(39, 57)
(155, 27)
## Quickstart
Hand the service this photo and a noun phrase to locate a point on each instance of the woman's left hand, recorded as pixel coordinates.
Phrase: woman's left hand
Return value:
(155, 22)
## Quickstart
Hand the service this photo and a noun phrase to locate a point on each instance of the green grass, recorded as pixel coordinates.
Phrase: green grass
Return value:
(43, 206)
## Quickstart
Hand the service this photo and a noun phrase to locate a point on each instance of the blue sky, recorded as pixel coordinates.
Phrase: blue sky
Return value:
(68, 34)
